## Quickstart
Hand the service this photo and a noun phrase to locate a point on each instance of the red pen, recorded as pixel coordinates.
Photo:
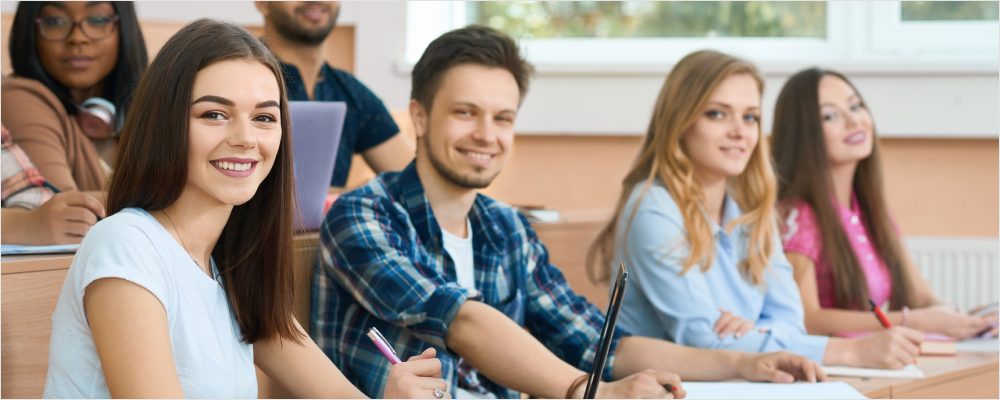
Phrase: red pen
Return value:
(880, 315)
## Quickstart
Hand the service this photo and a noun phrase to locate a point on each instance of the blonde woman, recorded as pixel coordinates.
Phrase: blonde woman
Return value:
(695, 224)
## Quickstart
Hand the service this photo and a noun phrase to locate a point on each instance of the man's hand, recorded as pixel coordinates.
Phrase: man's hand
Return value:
(417, 378)
(781, 367)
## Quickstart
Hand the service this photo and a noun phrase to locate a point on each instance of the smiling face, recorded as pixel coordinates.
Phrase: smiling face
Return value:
(79, 62)
(470, 129)
(847, 124)
(235, 131)
(307, 22)
(727, 130)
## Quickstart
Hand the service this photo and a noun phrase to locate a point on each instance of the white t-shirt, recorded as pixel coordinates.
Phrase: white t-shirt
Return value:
(460, 250)
(210, 358)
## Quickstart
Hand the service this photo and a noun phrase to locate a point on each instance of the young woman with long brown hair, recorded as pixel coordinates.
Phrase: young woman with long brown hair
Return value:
(188, 284)
(837, 231)
(695, 225)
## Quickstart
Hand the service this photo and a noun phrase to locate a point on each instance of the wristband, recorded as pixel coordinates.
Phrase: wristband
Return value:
(575, 385)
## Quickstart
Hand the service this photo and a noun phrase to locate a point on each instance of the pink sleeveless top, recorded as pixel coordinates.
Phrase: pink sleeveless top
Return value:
(801, 234)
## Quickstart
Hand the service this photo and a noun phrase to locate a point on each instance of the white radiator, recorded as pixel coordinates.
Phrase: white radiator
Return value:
(962, 271)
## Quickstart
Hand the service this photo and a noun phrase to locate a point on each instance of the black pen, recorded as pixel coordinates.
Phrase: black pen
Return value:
(51, 187)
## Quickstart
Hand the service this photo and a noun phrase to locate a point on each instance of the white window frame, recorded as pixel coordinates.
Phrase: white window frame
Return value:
(427, 20)
(861, 36)
(967, 40)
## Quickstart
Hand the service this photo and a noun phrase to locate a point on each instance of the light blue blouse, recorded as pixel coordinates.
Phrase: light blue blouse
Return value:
(661, 303)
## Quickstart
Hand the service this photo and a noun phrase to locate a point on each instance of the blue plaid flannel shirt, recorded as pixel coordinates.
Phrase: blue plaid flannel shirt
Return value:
(382, 264)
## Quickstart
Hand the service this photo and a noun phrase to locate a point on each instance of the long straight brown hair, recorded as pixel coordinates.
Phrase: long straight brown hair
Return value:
(682, 99)
(803, 170)
(254, 252)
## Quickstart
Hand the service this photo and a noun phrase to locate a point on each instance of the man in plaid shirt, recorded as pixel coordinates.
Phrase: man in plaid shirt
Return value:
(429, 261)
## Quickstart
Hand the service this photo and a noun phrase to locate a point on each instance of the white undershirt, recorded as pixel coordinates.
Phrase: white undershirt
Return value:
(460, 250)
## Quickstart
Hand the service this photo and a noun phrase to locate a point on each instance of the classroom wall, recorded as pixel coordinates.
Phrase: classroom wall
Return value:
(945, 97)
(339, 46)
(940, 182)
(936, 187)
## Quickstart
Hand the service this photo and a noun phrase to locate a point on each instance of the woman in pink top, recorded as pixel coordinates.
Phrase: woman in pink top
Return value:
(837, 231)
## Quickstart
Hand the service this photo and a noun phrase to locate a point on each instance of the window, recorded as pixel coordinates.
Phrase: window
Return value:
(649, 19)
(949, 11)
(923, 30)
(645, 36)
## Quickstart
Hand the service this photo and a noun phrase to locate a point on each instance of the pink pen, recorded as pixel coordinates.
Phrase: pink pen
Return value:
(383, 345)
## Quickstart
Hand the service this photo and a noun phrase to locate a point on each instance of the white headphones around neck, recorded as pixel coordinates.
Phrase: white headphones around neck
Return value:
(97, 118)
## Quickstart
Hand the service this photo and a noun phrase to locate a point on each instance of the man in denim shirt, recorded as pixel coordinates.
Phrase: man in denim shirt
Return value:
(429, 261)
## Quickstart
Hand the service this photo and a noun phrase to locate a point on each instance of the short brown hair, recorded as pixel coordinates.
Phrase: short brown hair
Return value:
(474, 44)
(254, 251)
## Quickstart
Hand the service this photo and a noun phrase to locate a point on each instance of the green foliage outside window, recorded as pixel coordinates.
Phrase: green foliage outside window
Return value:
(949, 10)
(652, 19)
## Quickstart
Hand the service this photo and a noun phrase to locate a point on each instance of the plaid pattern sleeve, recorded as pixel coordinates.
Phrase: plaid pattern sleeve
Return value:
(566, 323)
(371, 272)
(22, 183)
(371, 260)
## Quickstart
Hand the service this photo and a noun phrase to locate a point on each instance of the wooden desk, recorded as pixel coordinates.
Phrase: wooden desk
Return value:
(31, 286)
(966, 375)
(568, 241)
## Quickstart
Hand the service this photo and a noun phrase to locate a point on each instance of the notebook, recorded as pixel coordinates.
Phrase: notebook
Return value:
(13, 249)
(938, 348)
(753, 390)
(934, 344)
(909, 372)
(316, 129)
(607, 333)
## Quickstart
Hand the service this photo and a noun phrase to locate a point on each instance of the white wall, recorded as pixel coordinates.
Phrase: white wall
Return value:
(910, 101)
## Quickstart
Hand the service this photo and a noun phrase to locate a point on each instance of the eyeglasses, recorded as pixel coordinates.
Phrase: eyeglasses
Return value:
(94, 27)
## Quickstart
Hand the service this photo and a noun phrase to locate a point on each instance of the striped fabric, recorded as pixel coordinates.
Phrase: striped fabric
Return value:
(382, 264)
(22, 183)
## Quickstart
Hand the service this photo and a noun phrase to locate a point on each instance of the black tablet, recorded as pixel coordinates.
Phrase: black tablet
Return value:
(607, 333)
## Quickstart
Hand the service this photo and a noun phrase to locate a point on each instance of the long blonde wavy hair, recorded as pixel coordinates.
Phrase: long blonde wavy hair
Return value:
(682, 100)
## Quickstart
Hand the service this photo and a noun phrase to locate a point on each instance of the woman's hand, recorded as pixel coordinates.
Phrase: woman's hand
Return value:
(417, 378)
(892, 348)
(65, 218)
(948, 321)
(779, 367)
(730, 324)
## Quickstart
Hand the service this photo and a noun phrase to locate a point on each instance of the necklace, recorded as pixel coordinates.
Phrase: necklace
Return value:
(171, 220)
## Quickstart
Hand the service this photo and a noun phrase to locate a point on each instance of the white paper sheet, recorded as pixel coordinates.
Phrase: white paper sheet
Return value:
(751, 390)
(12, 249)
(978, 345)
(910, 372)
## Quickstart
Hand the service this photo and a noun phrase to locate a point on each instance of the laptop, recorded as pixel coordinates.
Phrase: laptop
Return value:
(601, 359)
(316, 128)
